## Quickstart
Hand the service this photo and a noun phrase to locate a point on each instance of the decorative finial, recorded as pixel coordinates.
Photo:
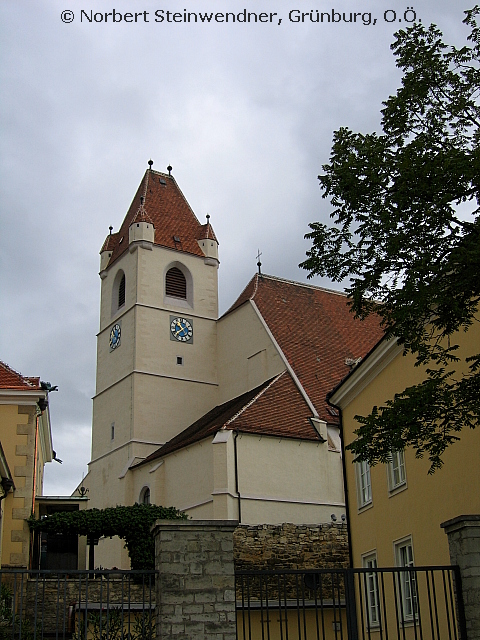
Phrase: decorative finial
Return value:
(111, 229)
(169, 169)
(259, 264)
(150, 163)
(208, 218)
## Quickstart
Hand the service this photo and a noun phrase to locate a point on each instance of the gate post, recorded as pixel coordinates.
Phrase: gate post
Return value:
(195, 587)
(464, 545)
(351, 605)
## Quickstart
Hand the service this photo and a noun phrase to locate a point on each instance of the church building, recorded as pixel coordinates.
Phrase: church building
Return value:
(224, 418)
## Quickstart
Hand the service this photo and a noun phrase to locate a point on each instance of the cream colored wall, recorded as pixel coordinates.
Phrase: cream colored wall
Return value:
(280, 480)
(287, 480)
(246, 355)
(428, 500)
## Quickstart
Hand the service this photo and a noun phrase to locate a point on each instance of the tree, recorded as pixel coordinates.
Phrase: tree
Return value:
(399, 237)
(132, 524)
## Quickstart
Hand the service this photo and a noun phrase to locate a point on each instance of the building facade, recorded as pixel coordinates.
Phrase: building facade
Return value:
(395, 510)
(26, 446)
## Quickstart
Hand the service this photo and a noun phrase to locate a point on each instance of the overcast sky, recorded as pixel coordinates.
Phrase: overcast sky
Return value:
(243, 112)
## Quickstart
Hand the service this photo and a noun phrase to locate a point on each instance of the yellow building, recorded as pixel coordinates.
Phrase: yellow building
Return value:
(26, 445)
(395, 509)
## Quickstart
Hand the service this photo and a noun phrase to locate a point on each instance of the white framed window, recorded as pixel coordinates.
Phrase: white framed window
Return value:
(406, 579)
(364, 484)
(370, 587)
(396, 471)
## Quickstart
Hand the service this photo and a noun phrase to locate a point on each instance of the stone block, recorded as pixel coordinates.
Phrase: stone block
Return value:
(195, 568)
(203, 597)
(21, 513)
(173, 568)
(192, 608)
(204, 617)
(219, 568)
(194, 629)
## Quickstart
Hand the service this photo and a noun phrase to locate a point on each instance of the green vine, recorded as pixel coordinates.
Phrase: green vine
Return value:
(132, 524)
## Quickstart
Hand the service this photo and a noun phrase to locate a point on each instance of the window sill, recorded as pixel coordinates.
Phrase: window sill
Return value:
(398, 489)
(365, 507)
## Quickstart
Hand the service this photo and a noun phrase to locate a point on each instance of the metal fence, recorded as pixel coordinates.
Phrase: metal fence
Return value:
(419, 603)
(79, 605)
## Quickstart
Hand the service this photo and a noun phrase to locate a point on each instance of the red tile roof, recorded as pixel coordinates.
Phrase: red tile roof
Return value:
(274, 408)
(315, 330)
(11, 379)
(170, 214)
(206, 232)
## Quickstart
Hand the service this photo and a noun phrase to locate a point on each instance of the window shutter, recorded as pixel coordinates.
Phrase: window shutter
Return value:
(175, 283)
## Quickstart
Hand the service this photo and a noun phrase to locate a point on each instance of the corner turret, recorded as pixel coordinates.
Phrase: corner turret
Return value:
(208, 243)
(141, 231)
(106, 253)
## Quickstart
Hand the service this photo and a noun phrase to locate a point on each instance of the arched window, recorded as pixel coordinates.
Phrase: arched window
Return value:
(175, 284)
(118, 292)
(145, 495)
(121, 292)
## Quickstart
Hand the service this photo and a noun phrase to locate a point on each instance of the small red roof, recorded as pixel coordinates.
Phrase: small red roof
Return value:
(11, 379)
(274, 408)
(176, 225)
(315, 330)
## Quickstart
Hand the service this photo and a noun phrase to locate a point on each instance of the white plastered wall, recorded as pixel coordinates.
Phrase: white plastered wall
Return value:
(246, 355)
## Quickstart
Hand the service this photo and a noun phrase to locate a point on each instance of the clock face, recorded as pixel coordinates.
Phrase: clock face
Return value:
(115, 335)
(181, 329)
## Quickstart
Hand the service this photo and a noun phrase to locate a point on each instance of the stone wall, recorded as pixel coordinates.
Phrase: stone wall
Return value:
(290, 546)
(464, 546)
(196, 582)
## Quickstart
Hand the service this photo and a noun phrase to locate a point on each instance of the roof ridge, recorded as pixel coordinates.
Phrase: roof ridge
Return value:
(254, 399)
(307, 285)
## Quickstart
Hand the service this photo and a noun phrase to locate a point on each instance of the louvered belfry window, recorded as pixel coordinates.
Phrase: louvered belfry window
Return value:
(121, 292)
(175, 283)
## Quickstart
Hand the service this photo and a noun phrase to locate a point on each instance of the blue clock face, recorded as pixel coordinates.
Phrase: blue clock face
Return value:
(115, 335)
(181, 329)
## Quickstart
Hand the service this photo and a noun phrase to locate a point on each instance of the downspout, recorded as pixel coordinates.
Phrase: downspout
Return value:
(345, 485)
(32, 533)
(35, 465)
(235, 435)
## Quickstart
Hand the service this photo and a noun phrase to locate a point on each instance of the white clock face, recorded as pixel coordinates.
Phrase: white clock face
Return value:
(115, 335)
(181, 329)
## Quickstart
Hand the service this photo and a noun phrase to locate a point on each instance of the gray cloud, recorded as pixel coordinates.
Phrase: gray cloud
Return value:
(244, 113)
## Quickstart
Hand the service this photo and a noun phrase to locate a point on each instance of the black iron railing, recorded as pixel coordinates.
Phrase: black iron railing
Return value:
(417, 603)
(81, 605)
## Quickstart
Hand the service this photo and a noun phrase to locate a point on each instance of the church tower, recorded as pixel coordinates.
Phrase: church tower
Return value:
(156, 347)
